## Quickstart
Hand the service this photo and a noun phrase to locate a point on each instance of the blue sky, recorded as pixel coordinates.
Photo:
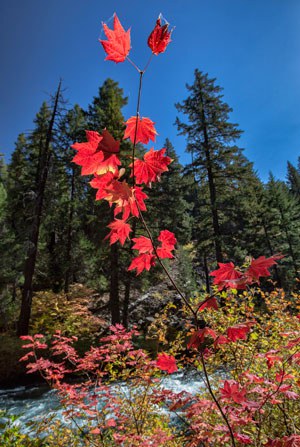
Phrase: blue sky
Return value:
(252, 47)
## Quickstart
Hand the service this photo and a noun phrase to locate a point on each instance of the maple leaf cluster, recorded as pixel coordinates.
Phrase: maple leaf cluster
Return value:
(100, 156)
(117, 45)
(227, 276)
(148, 252)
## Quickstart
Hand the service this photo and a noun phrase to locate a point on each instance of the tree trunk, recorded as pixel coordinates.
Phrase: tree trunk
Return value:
(212, 188)
(29, 268)
(129, 277)
(206, 271)
(114, 301)
(69, 235)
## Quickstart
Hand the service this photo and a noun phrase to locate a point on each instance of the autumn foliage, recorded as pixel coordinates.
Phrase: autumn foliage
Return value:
(247, 355)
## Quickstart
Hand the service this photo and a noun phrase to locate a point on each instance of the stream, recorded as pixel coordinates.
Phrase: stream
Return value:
(34, 403)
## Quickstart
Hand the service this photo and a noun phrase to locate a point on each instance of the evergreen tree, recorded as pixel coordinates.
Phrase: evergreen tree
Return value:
(67, 210)
(6, 235)
(293, 178)
(218, 167)
(40, 142)
(281, 220)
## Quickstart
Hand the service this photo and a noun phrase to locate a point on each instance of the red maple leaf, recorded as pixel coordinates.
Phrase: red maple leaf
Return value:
(98, 154)
(92, 143)
(90, 163)
(120, 230)
(109, 163)
(168, 241)
(142, 262)
(166, 362)
(159, 38)
(108, 143)
(102, 183)
(212, 303)
(87, 156)
(121, 194)
(227, 276)
(259, 267)
(145, 130)
(221, 340)
(117, 45)
(143, 245)
(199, 336)
(150, 169)
(238, 332)
(232, 391)
(126, 198)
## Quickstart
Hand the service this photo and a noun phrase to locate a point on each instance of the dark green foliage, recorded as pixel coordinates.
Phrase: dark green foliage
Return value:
(281, 220)
(293, 179)
(222, 175)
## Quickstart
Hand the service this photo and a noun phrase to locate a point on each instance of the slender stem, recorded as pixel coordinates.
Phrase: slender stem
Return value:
(148, 63)
(216, 400)
(136, 124)
(133, 64)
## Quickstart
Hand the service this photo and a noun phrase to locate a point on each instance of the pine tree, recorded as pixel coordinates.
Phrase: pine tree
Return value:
(218, 167)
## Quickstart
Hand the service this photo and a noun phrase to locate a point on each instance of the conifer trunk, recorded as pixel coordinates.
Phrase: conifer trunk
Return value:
(206, 271)
(212, 188)
(114, 299)
(69, 235)
(29, 268)
(128, 283)
(114, 302)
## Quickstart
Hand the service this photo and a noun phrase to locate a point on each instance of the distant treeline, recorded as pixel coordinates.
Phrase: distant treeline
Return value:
(52, 229)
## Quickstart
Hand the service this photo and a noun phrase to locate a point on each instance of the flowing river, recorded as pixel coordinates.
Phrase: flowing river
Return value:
(35, 403)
